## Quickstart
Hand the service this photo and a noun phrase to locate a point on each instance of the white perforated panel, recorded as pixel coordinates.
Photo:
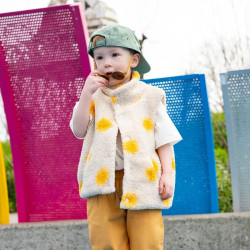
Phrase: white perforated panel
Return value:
(236, 95)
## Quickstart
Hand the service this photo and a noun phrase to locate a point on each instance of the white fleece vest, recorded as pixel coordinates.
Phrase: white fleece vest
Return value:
(131, 108)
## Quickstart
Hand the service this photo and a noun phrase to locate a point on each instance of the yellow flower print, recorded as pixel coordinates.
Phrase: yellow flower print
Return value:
(138, 98)
(113, 99)
(168, 202)
(103, 124)
(89, 156)
(156, 167)
(92, 108)
(131, 146)
(80, 188)
(129, 199)
(173, 163)
(148, 124)
(135, 74)
(151, 174)
(102, 176)
(118, 85)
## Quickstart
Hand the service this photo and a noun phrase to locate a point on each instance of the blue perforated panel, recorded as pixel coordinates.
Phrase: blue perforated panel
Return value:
(187, 105)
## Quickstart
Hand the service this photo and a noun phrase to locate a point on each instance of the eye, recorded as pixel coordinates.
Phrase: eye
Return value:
(115, 54)
(99, 58)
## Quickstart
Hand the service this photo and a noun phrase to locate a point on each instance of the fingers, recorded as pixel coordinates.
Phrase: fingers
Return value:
(162, 190)
(101, 81)
(165, 193)
(161, 187)
(94, 73)
(93, 82)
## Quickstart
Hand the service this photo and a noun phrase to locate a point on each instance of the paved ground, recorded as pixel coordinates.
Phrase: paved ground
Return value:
(190, 232)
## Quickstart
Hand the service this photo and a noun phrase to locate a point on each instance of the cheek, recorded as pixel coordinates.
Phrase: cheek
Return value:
(99, 64)
(122, 64)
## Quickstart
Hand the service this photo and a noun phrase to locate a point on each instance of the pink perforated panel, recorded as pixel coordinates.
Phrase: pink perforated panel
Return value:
(43, 66)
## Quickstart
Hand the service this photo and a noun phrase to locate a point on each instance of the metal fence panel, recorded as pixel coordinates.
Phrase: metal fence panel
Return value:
(43, 64)
(236, 96)
(187, 105)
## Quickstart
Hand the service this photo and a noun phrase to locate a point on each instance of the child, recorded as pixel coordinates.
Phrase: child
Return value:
(126, 167)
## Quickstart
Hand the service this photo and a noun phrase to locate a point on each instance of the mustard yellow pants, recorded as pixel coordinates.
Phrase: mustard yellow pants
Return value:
(122, 229)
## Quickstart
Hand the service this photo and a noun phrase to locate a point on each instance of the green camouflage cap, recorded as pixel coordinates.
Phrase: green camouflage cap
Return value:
(116, 35)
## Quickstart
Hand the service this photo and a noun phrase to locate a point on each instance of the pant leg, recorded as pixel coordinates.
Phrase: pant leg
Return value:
(145, 229)
(106, 221)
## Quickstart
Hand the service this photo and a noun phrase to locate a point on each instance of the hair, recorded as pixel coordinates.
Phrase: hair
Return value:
(97, 38)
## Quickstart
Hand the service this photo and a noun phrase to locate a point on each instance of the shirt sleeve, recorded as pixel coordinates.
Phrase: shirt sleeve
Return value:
(71, 121)
(165, 130)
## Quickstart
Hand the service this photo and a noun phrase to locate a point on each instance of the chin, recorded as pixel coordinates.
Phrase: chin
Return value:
(113, 84)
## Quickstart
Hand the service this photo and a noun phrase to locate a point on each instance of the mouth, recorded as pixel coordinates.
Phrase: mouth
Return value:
(109, 74)
(104, 76)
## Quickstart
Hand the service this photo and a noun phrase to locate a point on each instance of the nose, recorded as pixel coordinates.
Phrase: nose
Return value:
(107, 63)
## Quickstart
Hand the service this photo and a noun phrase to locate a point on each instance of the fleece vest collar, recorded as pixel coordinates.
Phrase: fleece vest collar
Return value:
(126, 93)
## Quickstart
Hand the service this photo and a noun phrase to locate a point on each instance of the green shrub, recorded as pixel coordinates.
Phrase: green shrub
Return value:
(222, 163)
(223, 181)
(10, 176)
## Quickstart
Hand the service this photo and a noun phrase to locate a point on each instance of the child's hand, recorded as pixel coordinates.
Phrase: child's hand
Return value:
(166, 188)
(93, 82)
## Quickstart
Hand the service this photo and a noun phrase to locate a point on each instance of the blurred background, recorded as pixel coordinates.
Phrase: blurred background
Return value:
(177, 38)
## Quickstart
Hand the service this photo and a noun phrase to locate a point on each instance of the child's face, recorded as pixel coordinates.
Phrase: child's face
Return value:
(111, 59)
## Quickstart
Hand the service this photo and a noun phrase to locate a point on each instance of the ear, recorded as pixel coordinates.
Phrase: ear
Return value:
(135, 61)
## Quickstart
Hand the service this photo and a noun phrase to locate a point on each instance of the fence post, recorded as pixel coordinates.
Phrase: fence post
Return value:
(4, 201)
